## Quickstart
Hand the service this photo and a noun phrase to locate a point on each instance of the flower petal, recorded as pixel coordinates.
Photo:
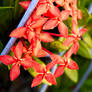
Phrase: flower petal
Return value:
(63, 29)
(29, 21)
(26, 62)
(45, 37)
(37, 67)
(36, 47)
(59, 71)
(18, 32)
(14, 72)
(82, 31)
(60, 2)
(65, 14)
(25, 4)
(75, 31)
(50, 65)
(6, 59)
(50, 24)
(57, 59)
(50, 78)
(76, 45)
(41, 53)
(30, 35)
(72, 65)
(18, 50)
(69, 53)
(68, 41)
(54, 10)
(37, 80)
(79, 14)
(39, 22)
(41, 9)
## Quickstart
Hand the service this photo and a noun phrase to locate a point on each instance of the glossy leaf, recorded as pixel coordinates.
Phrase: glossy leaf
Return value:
(84, 51)
(72, 74)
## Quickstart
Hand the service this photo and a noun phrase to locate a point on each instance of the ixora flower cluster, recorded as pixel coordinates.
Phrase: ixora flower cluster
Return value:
(46, 16)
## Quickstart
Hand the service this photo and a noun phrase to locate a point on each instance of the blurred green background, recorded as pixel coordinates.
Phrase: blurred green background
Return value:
(10, 15)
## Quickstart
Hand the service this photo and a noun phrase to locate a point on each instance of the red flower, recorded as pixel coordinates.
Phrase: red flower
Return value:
(34, 37)
(41, 75)
(29, 29)
(16, 61)
(58, 21)
(66, 3)
(25, 4)
(74, 38)
(62, 64)
(47, 5)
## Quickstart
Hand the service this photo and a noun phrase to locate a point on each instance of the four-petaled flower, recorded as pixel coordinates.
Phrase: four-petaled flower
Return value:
(17, 60)
(58, 21)
(74, 39)
(62, 62)
(47, 5)
(44, 74)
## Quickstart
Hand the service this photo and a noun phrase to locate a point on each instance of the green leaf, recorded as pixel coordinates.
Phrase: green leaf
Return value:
(6, 7)
(16, 8)
(88, 40)
(1, 46)
(72, 74)
(68, 22)
(84, 51)
(89, 23)
(84, 3)
(9, 67)
(88, 82)
(85, 16)
(55, 46)
(5, 20)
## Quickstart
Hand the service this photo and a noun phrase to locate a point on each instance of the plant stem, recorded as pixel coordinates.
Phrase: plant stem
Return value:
(59, 35)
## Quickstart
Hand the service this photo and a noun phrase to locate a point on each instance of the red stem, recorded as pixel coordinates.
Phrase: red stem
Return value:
(59, 35)
(24, 43)
(47, 51)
